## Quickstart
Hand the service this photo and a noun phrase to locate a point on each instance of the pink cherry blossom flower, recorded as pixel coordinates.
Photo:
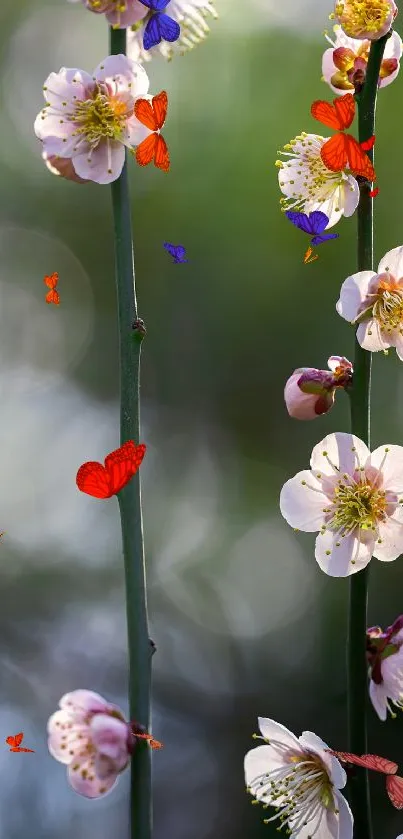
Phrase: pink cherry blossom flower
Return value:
(310, 392)
(301, 779)
(385, 659)
(309, 185)
(375, 303)
(367, 20)
(353, 498)
(90, 119)
(191, 16)
(119, 13)
(92, 738)
(344, 66)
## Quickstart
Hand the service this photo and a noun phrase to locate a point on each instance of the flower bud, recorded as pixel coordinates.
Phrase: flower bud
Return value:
(365, 19)
(309, 392)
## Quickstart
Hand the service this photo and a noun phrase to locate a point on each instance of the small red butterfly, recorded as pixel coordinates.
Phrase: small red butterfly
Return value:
(343, 149)
(120, 465)
(51, 282)
(152, 115)
(374, 192)
(14, 743)
(310, 256)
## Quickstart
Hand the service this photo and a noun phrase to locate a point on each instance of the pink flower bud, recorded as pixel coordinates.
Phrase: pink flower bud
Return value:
(310, 392)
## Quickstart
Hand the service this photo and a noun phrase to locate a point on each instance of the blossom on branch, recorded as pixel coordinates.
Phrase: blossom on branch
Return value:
(91, 737)
(309, 185)
(374, 302)
(301, 779)
(310, 392)
(191, 16)
(344, 66)
(365, 19)
(385, 660)
(353, 498)
(90, 120)
(119, 13)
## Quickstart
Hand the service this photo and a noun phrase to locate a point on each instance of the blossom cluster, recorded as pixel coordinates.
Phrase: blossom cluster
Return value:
(351, 497)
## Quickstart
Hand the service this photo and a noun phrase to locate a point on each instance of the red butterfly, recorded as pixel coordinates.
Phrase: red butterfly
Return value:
(394, 783)
(343, 149)
(51, 282)
(14, 743)
(120, 465)
(152, 115)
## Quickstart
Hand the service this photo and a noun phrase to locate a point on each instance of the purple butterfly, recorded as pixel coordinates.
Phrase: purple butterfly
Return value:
(159, 27)
(177, 251)
(314, 223)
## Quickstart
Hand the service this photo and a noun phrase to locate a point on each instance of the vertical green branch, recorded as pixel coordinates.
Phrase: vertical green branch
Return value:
(139, 646)
(360, 426)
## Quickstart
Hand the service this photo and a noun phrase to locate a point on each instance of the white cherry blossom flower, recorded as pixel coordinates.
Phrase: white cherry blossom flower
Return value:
(353, 498)
(385, 659)
(309, 185)
(301, 780)
(344, 66)
(90, 119)
(365, 19)
(374, 301)
(191, 16)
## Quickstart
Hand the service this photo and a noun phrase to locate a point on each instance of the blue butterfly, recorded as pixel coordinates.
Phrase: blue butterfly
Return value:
(177, 251)
(159, 27)
(314, 224)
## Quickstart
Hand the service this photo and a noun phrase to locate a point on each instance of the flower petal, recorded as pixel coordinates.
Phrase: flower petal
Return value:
(339, 452)
(83, 700)
(352, 294)
(83, 780)
(104, 165)
(302, 501)
(389, 459)
(275, 731)
(371, 337)
(379, 698)
(316, 745)
(392, 262)
(389, 544)
(342, 556)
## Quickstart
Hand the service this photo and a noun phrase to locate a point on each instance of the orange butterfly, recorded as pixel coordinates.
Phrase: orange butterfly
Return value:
(310, 256)
(120, 466)
(152, 115)
(51, 282)
(343, 149)
(14, 743)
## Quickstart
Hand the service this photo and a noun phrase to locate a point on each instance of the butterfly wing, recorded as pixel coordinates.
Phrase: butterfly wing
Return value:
(146, 150)
(325, 113)
(367, 145)
(394, 788)
(144, 111)
(169, 28)
(152, 33)
(93, 479)
(161, 154)
(378, 764)
(155, 5)
(180, 253)
(318, 221)
(318, 240)
(160, 107)
(300, 220)
(52, 280)
(170, 248)
(334, 153)
(11, 741)
(310, 256)
(53, 297)
(345, 109)
(358, 160)
(123, 463)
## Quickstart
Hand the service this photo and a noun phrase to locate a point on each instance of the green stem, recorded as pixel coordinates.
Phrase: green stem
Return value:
(360, 426)
(139, 645)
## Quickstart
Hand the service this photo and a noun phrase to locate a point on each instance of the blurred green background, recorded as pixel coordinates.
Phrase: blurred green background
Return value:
(244, 621)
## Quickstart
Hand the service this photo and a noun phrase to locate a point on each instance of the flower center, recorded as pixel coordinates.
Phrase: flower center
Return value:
(313, 181)
(357, 505)
(299, 789)
(388, 308)
(361, 16)
(101, 117)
